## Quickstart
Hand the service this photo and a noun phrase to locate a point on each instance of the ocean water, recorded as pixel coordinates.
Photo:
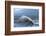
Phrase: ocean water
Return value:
(26, 24)
(31, 13)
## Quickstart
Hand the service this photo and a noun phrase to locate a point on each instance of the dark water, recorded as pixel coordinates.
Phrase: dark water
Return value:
(25, 25)
(36, 24)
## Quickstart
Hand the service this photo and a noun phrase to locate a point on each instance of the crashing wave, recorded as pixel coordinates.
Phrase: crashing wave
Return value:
(25, 19)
